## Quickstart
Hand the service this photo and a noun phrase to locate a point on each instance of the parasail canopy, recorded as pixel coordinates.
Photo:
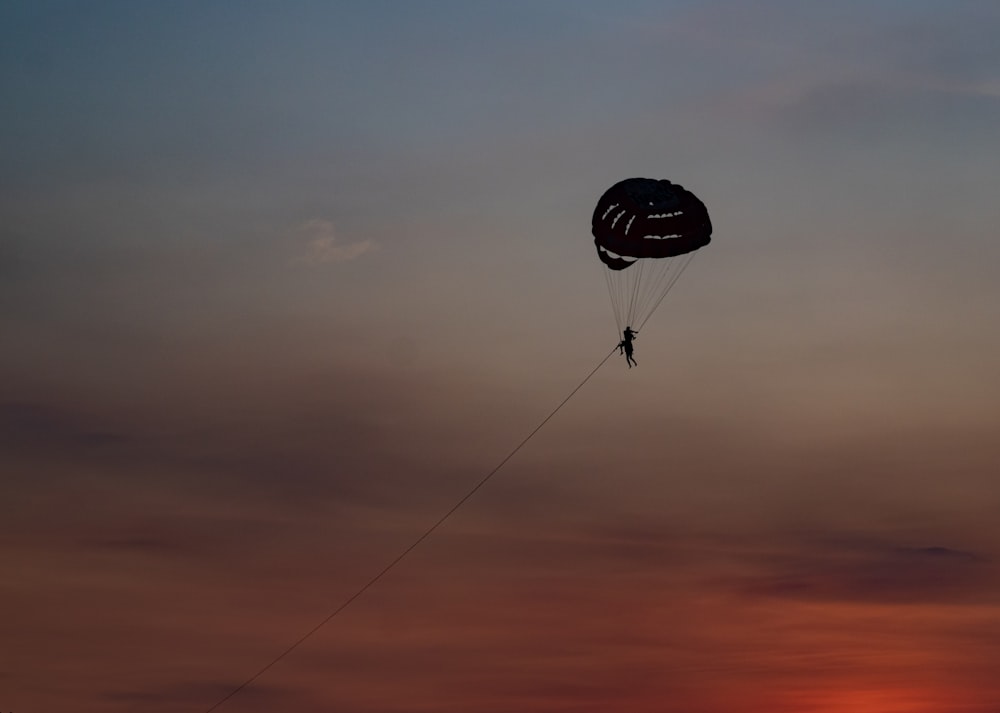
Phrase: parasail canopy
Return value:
(646, 231)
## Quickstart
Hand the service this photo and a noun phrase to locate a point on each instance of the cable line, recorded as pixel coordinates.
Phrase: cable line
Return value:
(385, 570)
(671, 281)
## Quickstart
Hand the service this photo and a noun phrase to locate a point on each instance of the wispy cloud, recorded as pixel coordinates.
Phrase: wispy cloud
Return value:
(879, 574)
(317, 244)
(38, 425)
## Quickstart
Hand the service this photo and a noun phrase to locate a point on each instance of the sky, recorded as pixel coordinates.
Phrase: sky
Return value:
(281, 281)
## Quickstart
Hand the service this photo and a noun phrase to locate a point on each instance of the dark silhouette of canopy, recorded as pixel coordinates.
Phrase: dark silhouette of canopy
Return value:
(648, 218)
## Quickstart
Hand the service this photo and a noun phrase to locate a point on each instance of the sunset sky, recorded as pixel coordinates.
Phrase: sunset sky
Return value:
(281, 281)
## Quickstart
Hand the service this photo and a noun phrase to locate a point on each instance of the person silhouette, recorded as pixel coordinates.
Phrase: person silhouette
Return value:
(625, 346)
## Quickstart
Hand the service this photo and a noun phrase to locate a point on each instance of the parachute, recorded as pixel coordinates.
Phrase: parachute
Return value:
(646, 231)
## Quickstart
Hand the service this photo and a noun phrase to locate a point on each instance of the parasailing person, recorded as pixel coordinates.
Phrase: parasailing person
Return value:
(646, 231)
(625, 346)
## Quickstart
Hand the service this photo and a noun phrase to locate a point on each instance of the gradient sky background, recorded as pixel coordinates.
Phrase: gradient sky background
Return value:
(280, 281)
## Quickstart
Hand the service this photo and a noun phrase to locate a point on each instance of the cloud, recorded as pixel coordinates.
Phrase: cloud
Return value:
(318, 244)
(869, 109)
(875, 574)
(28, 425)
